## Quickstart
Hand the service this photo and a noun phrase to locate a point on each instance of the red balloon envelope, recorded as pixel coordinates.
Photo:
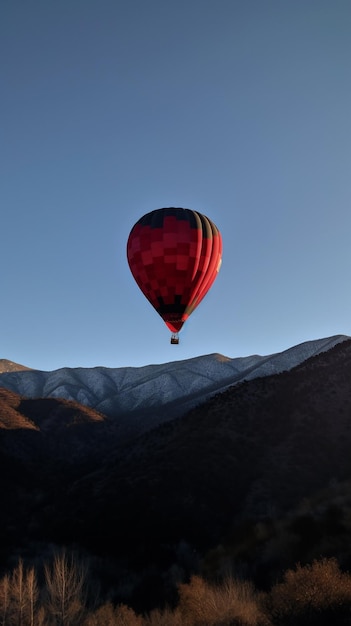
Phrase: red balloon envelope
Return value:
(174, 255)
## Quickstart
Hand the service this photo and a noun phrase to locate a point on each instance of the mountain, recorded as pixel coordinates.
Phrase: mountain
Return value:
(47, 415)
(256, 450)
(49, 429)
(10, 366)
(253, 479)
(140, 398)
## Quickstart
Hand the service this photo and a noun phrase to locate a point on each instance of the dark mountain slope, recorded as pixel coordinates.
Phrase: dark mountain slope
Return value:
(50, 430)
(46, 414)
(45, 444)
(249, 453)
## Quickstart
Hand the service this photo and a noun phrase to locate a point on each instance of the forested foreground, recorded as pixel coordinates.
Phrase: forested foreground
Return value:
(62, 592)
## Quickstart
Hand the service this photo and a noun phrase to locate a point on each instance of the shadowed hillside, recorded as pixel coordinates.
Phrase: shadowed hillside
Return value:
(252, 452)
(45, 414)
(250, 458)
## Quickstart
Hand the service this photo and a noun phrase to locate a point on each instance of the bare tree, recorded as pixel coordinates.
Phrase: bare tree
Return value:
(65, 582)
(19, 597)
(18, 594)
(4, 599)
(32, 592)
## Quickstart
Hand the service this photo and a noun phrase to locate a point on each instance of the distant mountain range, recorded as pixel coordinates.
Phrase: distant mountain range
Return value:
(142, 397)
(254, 476)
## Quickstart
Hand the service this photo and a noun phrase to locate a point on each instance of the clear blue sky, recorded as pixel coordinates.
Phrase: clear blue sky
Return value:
(239, 109)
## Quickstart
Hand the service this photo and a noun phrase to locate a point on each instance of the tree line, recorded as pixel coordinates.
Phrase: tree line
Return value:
(61, 594)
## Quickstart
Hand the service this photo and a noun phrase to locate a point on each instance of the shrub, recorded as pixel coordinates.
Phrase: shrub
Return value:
(164, 617)
(108, 615)
(231, 603)
(312, 594)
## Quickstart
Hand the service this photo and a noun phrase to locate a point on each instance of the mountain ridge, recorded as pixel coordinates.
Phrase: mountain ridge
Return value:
(10, 366)
(255, 478)
(252, 452)
(163, 391)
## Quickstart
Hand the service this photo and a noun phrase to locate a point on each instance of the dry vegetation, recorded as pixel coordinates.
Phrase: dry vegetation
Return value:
(62, 595)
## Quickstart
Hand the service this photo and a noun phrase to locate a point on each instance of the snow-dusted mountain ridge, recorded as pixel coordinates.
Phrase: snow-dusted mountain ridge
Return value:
(167, 389)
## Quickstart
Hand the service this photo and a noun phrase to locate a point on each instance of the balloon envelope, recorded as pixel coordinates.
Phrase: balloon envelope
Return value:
(174, 255)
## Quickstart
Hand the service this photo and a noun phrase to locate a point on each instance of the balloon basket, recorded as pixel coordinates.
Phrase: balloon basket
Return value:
(174, 339)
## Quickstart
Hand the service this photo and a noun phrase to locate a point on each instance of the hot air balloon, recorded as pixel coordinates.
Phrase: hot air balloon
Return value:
(174, 255)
